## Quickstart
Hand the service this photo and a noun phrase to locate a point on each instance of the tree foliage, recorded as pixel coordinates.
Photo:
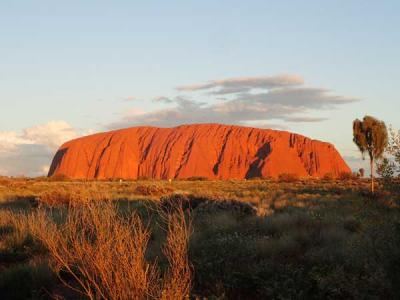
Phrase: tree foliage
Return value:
(389, 166)
(385, 169)
(393, 148)
(370, 136)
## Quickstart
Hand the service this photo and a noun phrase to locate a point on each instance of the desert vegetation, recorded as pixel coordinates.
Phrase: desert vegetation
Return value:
(371, 137)
(262, 238)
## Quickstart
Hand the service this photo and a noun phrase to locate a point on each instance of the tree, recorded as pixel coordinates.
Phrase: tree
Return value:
(371, 137)
(393, 148)
(389, 166)
(386, 169)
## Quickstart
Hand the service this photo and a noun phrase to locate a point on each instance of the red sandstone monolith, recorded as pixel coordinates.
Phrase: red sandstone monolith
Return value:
(209, 150)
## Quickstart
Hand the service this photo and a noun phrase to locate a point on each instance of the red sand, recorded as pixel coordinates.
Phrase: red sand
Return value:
(209, 150)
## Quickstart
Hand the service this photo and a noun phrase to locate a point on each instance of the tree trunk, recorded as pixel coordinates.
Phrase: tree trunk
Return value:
(372, 175)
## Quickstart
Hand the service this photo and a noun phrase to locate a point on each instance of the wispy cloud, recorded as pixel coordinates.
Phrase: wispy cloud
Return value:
(304, 97)
(163, 99)
(304, 119)
(248, 99)
(243, 84)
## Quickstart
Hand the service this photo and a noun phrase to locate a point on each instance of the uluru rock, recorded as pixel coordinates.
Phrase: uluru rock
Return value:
(209, 150)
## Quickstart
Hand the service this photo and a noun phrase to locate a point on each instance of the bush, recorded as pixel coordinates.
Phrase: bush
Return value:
(5, 180)
(59, 177)
(328, 176)
(104, 253)
(65, 198)
(295, 254)
(16, 242)
(151, 190)
(347, 176)
(197, 178)
(240, 207)
(206, 204)
(394, 148)
(288, 177)
(386, 169)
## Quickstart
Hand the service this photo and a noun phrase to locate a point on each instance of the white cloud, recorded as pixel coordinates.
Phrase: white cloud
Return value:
(51, 134)
(30, 151)
(9, 140)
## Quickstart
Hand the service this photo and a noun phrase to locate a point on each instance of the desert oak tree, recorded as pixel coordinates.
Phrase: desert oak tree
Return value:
(371, 136)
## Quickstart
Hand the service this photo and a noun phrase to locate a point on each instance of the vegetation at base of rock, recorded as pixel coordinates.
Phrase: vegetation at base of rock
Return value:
(288, 177)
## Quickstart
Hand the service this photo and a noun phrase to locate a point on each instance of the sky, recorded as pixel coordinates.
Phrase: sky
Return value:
(71, 68)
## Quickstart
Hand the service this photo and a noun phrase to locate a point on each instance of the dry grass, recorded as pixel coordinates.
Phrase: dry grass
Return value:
(71, 197)
(244, 190)
(105, 253)
(177, 280)
(152, 190)
(14, 230)
(288, 177)
(255, 239)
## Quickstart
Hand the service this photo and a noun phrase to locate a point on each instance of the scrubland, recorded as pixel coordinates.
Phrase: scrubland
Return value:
(199, 239)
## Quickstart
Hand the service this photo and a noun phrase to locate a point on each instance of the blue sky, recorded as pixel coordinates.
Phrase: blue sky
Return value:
(73, 67)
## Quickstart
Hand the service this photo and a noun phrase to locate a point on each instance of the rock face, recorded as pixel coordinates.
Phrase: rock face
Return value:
(209, 150)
